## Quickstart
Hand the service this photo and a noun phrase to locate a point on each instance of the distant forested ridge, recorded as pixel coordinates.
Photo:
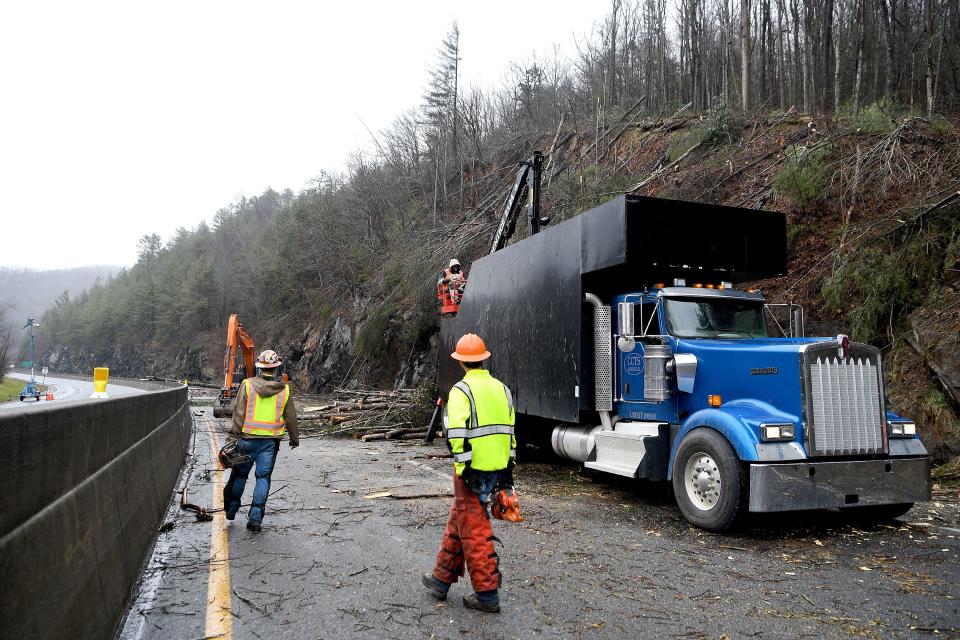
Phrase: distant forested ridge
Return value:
(30, 292)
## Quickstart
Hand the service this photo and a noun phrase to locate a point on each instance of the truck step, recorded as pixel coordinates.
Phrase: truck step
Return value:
(633, 450)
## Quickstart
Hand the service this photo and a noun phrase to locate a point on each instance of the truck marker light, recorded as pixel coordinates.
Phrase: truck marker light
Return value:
(698, 286)
(659, 285)
(709, 286)
(714, 401)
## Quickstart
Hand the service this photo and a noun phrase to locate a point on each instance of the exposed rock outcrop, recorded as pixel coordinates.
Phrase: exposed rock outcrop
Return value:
(320, 356)
(936, 336)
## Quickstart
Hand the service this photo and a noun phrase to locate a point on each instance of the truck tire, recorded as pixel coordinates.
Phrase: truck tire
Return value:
(708, 480)
(876, 512)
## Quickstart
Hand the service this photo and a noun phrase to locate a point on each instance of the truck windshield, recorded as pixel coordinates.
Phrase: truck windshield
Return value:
(715, 318)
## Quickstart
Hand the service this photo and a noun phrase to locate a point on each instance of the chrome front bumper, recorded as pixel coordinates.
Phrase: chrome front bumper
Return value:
(828, 485)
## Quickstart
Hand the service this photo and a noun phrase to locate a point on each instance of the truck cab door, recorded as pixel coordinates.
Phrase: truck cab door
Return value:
(630, 366)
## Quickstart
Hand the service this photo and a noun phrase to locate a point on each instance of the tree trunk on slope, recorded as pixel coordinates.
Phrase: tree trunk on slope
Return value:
(745, 54)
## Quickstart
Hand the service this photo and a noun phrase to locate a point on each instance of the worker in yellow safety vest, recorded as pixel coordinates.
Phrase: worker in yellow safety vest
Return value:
(479, 423)
(262, 414)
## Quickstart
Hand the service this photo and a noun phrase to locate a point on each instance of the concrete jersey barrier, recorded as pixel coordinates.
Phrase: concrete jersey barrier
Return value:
(89, 483)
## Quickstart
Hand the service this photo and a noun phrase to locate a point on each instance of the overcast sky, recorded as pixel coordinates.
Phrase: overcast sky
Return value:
(124, 118)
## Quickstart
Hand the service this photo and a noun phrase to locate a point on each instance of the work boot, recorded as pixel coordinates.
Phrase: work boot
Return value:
(253, 526)
(437, 588)
(487, 601)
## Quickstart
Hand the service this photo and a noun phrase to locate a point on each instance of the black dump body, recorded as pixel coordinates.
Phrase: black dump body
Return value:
(526, 300)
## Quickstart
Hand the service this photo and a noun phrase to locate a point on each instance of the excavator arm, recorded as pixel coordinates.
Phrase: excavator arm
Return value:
(237, 338)
(246, 347)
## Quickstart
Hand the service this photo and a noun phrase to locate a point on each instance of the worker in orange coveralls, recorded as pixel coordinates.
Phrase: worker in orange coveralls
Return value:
(451, 283)
(479, 422)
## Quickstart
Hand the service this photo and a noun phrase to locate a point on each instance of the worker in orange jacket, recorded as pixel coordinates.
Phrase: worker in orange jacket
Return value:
(479, 423)
(451, 283)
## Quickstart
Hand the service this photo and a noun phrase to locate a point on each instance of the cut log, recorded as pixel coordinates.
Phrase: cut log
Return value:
(416, 435)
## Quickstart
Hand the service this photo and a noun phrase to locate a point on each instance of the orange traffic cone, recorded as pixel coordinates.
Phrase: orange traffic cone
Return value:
(49, 395)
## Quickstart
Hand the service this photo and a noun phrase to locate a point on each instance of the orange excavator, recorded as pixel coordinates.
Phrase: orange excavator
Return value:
(237, 338)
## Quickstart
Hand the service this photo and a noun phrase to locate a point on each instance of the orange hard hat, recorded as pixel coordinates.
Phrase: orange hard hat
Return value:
(470, 348)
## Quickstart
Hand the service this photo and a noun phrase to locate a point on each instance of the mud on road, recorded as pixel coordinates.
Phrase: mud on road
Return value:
(351, 526)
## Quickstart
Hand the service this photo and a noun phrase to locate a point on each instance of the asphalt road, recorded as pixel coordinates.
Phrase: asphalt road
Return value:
(64, 389)
(595, 558)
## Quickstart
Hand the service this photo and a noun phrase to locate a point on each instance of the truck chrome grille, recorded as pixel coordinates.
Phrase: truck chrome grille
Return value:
(844, 402)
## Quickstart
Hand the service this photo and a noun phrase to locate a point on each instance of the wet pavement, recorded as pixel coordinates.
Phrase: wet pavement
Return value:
(64, 389)
(350, 527)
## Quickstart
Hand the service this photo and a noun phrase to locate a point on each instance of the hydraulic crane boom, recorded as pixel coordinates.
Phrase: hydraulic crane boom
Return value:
(526, 184)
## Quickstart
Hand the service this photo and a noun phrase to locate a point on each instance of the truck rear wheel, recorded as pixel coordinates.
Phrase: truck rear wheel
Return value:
(708, 480)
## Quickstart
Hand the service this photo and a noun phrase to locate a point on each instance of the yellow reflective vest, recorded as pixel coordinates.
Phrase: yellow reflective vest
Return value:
(479, 423)
(264, 416)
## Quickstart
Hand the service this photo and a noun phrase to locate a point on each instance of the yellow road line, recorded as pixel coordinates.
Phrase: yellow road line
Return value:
(219, 618)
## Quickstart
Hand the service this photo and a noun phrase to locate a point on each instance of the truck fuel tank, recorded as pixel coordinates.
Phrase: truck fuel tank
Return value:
(575, 442)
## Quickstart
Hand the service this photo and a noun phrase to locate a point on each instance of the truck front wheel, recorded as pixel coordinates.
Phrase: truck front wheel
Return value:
(708, 480)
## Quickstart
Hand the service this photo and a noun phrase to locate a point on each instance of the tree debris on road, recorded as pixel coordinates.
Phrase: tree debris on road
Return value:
(364, 414)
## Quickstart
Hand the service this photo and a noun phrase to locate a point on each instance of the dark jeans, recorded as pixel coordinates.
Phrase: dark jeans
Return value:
(263, 454)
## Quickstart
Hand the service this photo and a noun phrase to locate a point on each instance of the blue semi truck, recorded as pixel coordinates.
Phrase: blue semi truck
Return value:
(632, 348)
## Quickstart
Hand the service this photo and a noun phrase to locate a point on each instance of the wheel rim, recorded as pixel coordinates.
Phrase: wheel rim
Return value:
(702, 481)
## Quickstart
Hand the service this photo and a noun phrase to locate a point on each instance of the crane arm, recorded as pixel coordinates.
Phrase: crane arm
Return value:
(526, 185)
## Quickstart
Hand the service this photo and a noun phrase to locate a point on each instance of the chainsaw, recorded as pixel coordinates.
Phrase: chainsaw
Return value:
(506, 506)
(231, 456)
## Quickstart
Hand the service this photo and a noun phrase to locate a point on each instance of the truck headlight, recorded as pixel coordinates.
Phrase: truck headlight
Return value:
(902, 429)
(774, 432)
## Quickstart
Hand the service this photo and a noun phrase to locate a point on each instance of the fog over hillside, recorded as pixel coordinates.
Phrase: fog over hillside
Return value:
(28, 292)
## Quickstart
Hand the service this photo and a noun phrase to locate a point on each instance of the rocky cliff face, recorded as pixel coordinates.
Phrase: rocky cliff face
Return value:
(318, 358)
(194, 363)
(934, 336)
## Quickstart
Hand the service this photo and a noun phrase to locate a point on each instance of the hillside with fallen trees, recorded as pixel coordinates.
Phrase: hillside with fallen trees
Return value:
(339, 278)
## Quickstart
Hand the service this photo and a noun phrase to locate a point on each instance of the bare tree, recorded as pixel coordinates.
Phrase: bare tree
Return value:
(745, 54)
